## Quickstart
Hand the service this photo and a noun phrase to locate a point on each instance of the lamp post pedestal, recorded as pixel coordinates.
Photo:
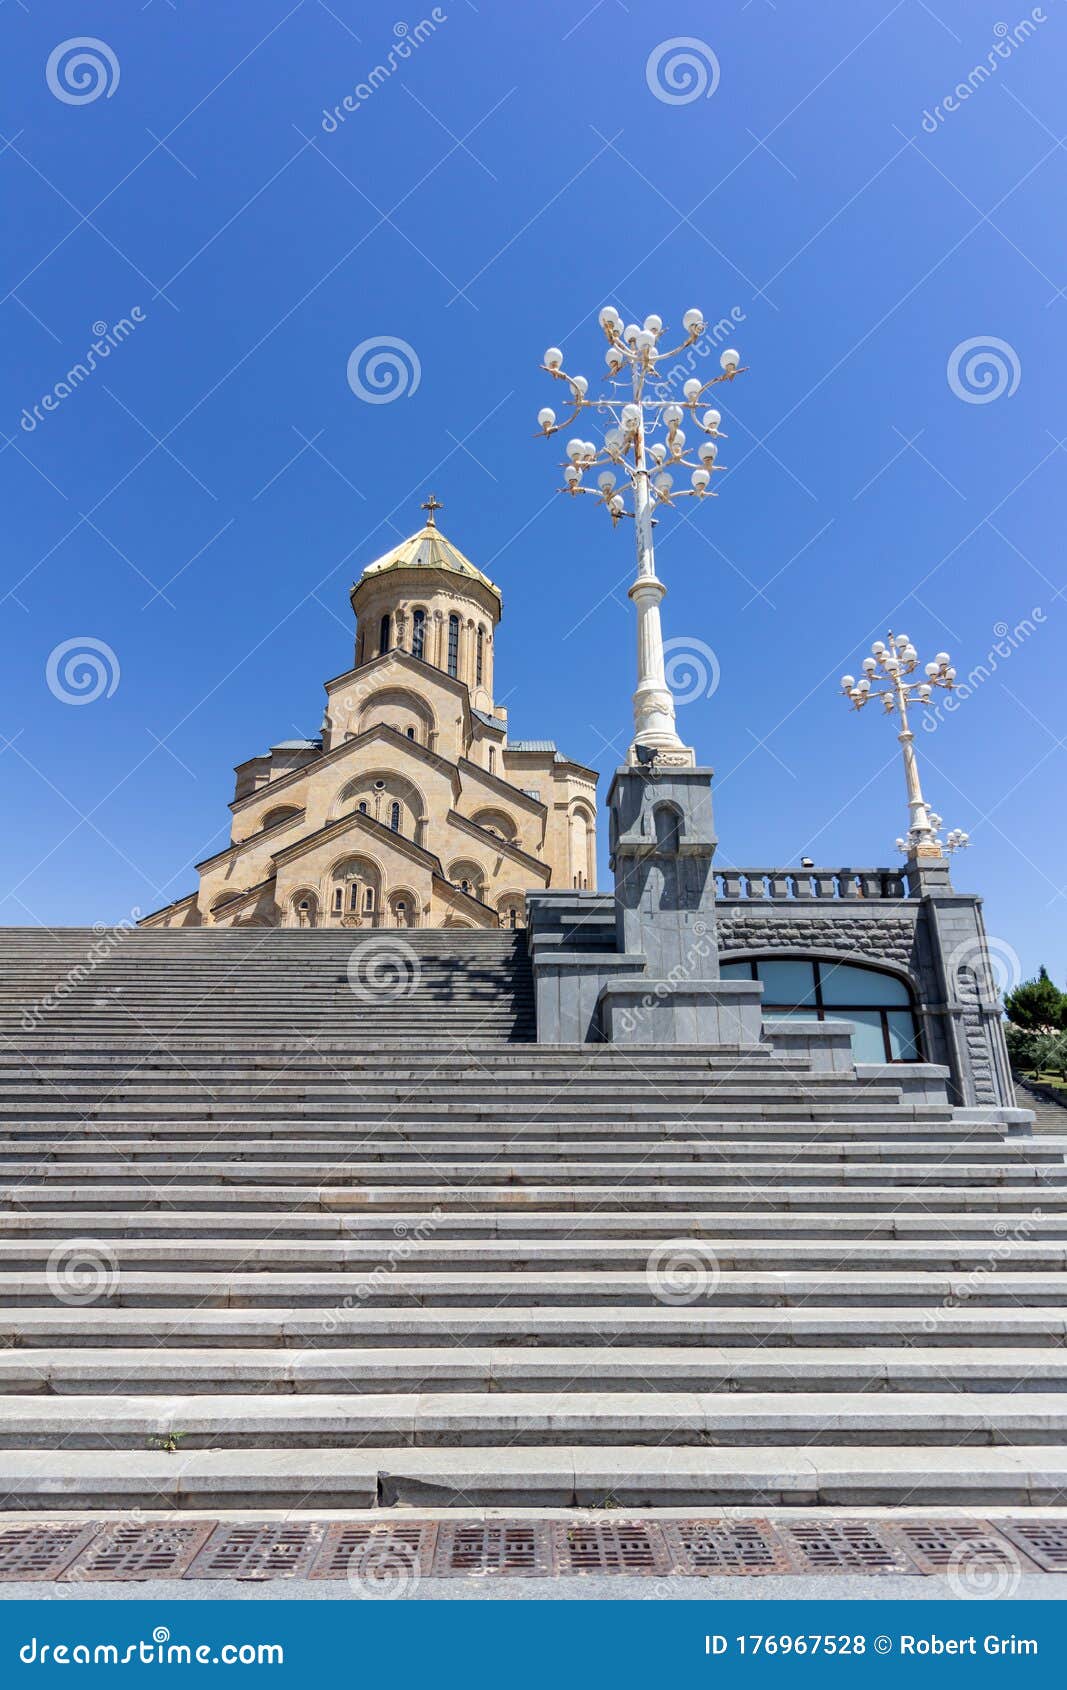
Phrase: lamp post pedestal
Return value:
(653, 705)
(662, 850)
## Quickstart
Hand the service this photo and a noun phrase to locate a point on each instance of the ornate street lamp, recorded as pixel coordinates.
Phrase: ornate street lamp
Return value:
(643, 443)
(891, 664)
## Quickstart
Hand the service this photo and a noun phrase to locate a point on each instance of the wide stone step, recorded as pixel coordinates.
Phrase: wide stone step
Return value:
(393, 1060)
(664, 1367)
(1018, 1198)
(100, 1324)
(557, 1476)
(994, 1230)
(351, 1108)
(920, 1420)
(865, 1140)
(480, 1152)
(695, 1281)
(364, 1170)
(414, 1254)
(327, 1087)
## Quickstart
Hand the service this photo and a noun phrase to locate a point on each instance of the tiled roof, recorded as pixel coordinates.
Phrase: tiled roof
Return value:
(531, 745)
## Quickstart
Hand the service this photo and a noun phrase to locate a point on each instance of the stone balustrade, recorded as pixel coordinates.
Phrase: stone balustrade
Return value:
(753, 885)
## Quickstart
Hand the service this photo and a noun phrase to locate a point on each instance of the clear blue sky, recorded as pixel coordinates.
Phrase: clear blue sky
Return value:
(202, 502)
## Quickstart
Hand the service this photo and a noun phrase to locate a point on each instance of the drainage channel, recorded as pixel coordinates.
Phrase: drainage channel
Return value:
(398, 1554)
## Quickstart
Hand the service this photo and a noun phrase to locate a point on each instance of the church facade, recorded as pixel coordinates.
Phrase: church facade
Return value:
(413, 808)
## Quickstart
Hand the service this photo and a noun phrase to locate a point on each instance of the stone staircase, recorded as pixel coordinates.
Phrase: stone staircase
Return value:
(269, 1239)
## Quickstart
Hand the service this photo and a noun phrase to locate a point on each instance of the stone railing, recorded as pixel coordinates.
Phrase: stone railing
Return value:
(754, 885)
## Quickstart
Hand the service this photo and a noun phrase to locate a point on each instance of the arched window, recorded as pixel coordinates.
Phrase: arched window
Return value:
(401, 913)
(368, 899)
(353, 895)
(453, 644)
(479, 657)
(362, 806)
(411, 733)
(492, 759)
(876, 1005)
(418, 633)
(394, 817)
(383, 636)
(338, 898)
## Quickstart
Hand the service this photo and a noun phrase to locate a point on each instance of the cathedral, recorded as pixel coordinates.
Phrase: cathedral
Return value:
(413, 808)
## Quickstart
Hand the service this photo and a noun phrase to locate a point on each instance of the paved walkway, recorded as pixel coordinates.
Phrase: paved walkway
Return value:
(1032, 1587)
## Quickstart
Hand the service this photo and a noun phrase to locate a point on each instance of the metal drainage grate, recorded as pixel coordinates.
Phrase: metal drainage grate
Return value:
(155, 1549)
(41, 1551)
(375, 1554)
(1045, 1541)
(611, 1547)
(726, 1546)
(494, 1547)
(257, 1552)
(842, 1546)
(936, 1545)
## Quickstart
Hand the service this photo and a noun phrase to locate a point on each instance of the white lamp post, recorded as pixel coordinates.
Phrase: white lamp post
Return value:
(891, 664)
(644, 441)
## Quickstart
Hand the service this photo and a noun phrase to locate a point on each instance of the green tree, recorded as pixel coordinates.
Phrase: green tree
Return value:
(1037, 1005)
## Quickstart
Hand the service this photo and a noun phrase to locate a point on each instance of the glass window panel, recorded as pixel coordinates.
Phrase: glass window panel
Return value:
(867, 1042)
(787, 982)
(736, 971)
(843, 984)
(903, 1044)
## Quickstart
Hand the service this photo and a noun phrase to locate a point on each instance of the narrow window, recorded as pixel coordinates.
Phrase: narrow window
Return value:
(401, 915)
(418, 633)
(363, 807)
(492, 759)
(353, 896)
(368, 898)
(411, 733)
(338, 899)
(479, 657)
(394, 818)
(383, 636)
(453, 645)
